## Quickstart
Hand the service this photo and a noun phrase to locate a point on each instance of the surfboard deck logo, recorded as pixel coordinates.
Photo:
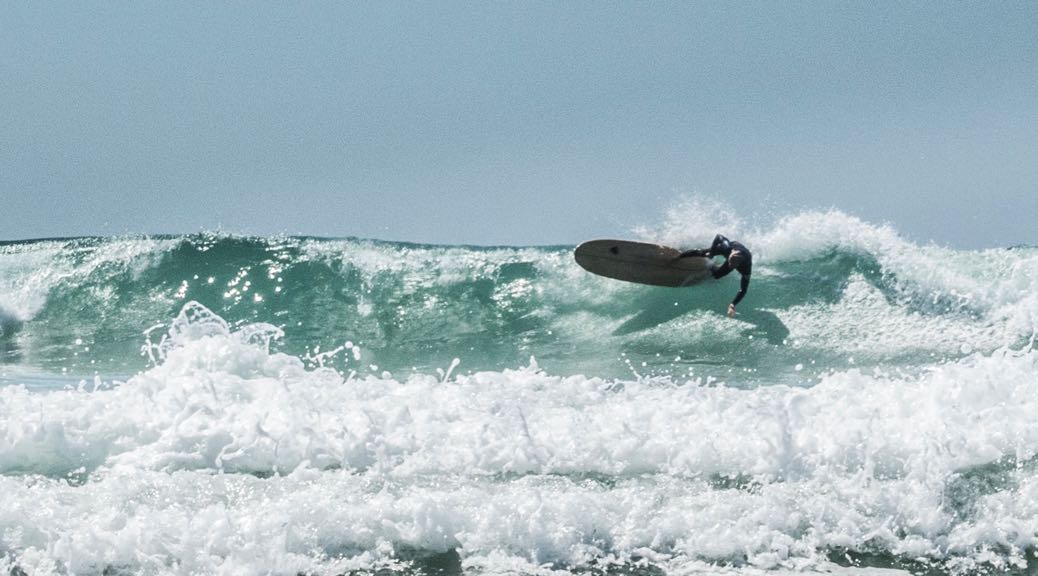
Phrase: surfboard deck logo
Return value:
(641, 263)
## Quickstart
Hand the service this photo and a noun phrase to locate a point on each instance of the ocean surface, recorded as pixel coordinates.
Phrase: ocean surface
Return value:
(219, 404)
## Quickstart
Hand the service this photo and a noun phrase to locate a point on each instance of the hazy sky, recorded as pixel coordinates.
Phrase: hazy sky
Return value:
(515, 122)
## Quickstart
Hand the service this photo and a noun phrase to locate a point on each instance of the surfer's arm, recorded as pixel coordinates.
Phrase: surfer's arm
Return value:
(720, 242)
(744, 285)
(695, 252)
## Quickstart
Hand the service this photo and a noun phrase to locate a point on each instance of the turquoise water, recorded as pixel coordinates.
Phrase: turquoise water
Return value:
(214, 403)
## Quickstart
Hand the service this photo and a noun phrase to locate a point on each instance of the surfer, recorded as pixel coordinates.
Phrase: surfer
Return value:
(736, 257)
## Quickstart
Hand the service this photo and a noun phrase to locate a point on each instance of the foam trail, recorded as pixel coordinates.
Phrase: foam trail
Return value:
(227, 457)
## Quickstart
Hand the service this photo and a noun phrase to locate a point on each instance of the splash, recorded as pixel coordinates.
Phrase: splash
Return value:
(692, 222)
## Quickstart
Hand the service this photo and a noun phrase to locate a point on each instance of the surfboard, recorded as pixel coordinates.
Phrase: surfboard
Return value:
(641, 262)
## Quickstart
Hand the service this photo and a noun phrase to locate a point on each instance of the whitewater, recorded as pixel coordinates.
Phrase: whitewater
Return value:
(220, 404)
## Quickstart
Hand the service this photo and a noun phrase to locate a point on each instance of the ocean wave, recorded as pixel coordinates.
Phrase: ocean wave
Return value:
(827, 288)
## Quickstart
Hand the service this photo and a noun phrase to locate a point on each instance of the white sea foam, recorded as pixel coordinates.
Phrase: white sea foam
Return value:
(227, 458)
(988, 279)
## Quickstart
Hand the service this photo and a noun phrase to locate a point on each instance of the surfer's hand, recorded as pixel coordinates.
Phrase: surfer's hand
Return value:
(731, 310)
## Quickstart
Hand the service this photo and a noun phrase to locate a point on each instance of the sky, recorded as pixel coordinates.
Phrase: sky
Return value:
(515, 123)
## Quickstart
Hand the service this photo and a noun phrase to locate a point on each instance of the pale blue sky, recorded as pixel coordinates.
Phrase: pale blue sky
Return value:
(515, 123)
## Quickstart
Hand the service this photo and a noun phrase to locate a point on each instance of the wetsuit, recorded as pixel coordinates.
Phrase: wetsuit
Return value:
(724, 247)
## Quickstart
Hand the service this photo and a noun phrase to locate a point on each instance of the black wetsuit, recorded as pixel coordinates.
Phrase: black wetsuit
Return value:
(724, 247)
